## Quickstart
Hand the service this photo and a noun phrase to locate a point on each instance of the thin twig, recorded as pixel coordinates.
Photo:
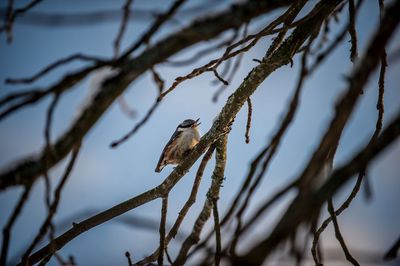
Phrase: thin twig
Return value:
(353, 32)
(217, 230)
(161, 19)
(334, 44)
(12, 14)
(67, 82)
(200, 54)
(160, 84)
(122, 27)
(162, 230)
(391, 254)
(338, 234)
(361, 175)
(234, 69)
(128, 257)
(220, 78)
(10, 223)
(248, 124)
(56, 64)
(326, 222)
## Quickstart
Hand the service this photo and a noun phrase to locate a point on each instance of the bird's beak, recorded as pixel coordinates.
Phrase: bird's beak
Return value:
(196, 123)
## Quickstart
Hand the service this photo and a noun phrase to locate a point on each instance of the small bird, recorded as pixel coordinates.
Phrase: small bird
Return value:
(185, 137)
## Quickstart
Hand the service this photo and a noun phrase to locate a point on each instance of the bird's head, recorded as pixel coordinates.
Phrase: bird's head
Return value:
(188, 123)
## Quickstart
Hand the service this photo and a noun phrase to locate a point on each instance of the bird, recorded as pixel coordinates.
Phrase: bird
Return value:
(185, 137)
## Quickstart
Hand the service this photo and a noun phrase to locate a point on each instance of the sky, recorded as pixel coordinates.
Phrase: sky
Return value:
(104, 177)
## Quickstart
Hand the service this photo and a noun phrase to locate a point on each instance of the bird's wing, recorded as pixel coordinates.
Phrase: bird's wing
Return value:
(160, 161)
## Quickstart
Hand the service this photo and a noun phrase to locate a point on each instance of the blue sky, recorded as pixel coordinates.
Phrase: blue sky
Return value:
(104, 177)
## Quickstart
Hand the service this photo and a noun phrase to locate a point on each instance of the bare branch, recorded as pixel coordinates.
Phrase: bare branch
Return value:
(161, 19)
(248, 124)
(121, 31)
(234, 69)
(392, 252)
(217, 230)
(128, 257)
(160, 84)
(54, 65)
(353, 32)
(10, 223)
(59, 87)
(338, 234)
(361, 175)
(12, 14)
(162, 230)
(326, 222)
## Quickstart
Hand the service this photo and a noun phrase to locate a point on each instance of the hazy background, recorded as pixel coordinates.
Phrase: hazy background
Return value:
(103, 177)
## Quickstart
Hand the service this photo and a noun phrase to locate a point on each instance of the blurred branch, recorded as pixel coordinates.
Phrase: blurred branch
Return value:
(361, 175)
(11, 14)
(339, 235)
(353, 32)
(28, 169)
(234, 69)
(64, 19)
(128, 257)
(29, 97)
(217, 230)
(54, 65)
(198, 55)
(391, 254)
(326, 222)
(160, 85)
(162, 229)
(126, 12)
(248, 124)
(10, 223)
